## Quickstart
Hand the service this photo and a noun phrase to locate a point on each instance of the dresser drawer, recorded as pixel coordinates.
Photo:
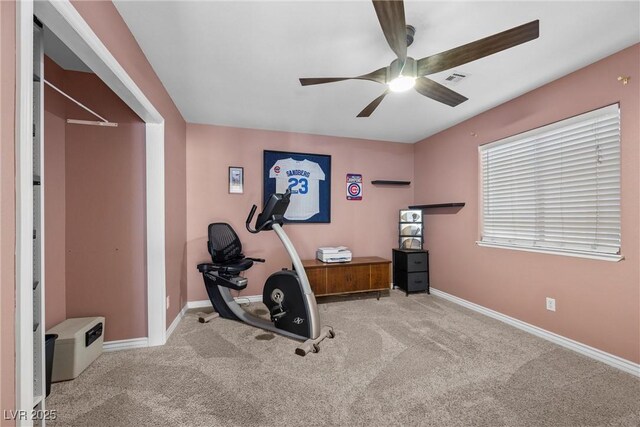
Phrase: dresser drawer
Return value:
(410, 261)
(413, 282)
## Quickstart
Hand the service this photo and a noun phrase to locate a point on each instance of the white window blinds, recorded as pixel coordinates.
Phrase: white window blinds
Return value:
(556, 187)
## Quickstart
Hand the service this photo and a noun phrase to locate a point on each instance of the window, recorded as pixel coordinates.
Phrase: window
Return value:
(555, 188)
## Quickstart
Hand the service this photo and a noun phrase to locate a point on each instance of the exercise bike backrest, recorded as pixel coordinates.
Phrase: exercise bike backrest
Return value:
(224, 244)
(273, 212)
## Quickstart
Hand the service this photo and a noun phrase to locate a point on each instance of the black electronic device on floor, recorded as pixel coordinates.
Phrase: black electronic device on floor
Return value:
(411, 270)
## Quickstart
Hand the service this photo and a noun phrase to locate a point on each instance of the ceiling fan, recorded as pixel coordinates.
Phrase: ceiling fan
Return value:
(405, 72)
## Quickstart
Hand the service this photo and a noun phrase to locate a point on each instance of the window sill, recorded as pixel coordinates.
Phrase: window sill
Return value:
(577, 254)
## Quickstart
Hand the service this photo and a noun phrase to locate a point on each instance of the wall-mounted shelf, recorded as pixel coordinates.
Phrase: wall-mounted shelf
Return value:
(438, 205)
(388, 182)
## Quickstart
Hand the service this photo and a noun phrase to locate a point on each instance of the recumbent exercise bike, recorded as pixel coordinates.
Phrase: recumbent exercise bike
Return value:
(287, 293)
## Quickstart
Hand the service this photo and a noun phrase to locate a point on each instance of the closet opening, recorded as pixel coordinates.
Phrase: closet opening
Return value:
(94, 199)
(89, 194)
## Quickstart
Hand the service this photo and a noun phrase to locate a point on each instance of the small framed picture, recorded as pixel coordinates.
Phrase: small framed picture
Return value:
(410, 215)
(411, 242)
(411, 230)
(236, 180)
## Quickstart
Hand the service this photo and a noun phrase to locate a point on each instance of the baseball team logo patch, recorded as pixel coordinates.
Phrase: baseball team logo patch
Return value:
(354, 186)
(276, 169)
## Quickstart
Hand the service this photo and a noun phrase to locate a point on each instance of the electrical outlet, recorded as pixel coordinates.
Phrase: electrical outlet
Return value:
(169, 301)
(551, 304)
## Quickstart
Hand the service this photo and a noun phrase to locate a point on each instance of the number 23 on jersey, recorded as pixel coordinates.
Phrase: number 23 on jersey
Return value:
(299, 185)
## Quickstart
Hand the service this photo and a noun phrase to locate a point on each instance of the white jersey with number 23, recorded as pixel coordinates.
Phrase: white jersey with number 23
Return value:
(302, 177)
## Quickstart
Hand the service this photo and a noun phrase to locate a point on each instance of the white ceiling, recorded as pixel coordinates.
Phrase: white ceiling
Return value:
(238, 63)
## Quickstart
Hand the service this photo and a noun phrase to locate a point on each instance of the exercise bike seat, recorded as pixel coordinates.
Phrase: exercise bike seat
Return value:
(227, 275)
(227, 259)
(233, 268)
(228, 281)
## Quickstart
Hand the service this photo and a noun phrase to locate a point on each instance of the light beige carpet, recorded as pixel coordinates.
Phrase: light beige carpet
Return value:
(405, 361)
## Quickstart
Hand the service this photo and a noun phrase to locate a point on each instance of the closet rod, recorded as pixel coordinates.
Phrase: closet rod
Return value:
(104, 122)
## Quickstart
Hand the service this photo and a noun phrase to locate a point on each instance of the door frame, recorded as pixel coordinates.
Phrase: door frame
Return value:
(67, 23)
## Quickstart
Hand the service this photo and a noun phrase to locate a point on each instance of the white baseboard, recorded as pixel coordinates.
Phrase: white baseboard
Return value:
(125, 344)
(599, 355)
(172, 327)
(207, 304)
(248, 299)
(144, 342)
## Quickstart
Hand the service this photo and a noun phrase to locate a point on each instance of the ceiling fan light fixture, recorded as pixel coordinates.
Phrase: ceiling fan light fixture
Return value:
(402, 83)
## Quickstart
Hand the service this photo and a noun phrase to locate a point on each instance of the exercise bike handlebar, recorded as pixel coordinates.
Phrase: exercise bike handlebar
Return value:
(273, 212)
(261, 226)
(250, 218)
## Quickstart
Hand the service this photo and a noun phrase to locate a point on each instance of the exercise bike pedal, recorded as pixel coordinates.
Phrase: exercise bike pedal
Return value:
(277, 312)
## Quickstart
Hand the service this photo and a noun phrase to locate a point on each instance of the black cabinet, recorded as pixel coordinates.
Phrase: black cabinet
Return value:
(411, 270)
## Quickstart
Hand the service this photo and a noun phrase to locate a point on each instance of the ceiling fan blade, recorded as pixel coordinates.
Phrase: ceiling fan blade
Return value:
(478, 49)
(372, 106)
(433, 90)
(391, 16)
(321, 80)
(379, 75)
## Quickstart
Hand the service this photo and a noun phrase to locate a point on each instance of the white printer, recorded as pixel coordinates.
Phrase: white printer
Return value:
(337, 254)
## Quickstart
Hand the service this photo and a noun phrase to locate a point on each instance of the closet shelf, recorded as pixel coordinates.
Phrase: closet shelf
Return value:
(389, 182)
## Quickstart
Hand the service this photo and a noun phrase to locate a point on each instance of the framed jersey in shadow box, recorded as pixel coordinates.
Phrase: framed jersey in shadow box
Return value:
(308, 176)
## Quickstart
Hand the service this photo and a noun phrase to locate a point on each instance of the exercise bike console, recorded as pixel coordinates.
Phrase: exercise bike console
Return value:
(273, 212)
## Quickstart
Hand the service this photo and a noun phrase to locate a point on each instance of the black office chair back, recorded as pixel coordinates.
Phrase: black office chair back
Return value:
(224, 244)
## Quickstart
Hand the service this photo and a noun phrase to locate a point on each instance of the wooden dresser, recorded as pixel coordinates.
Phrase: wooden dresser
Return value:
(362, 274)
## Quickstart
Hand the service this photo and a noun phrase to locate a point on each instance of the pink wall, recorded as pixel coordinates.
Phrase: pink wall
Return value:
(597, 301)
(54, 197)
(105, 211)
(107, 23)
(94, 207)
(7, 205)
(368, 227)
